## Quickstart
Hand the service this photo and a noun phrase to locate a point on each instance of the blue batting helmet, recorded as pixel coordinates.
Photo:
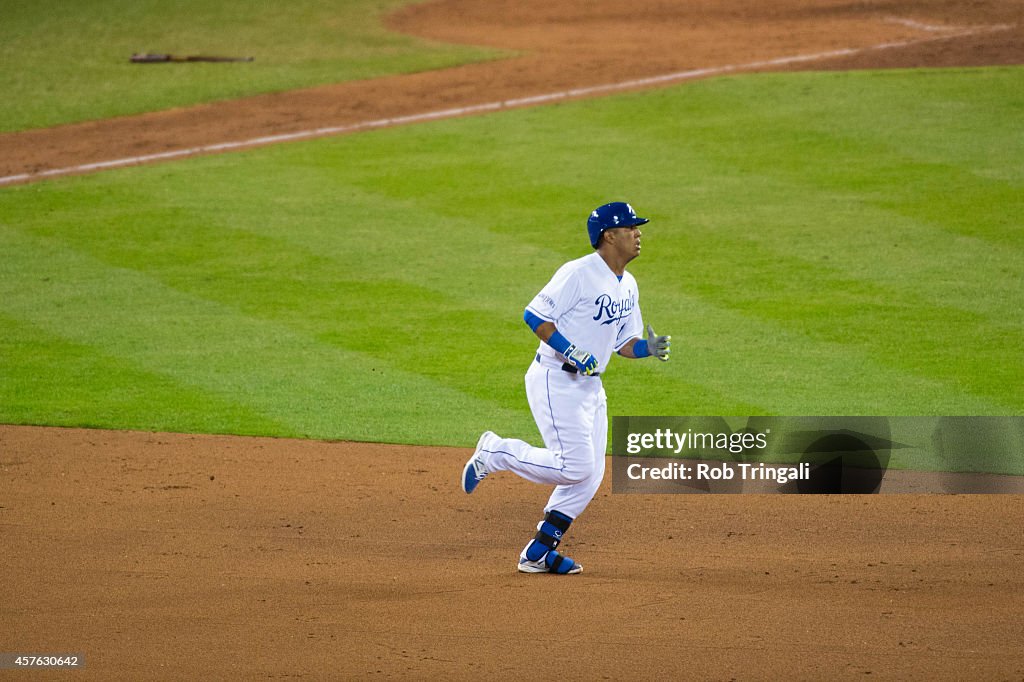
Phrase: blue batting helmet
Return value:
(615, 214)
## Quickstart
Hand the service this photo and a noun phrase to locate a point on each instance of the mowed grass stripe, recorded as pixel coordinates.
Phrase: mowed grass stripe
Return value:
(883, 247)
(309, 288)
(875, 171)
(942, 312)
(779, 368)
(279, 278)
(52, 381)
(965, 350)
(783, 371)
(414, 250)
(327, 287)
(934, 229)
(267, 278)
(313, 389)
(946, 117)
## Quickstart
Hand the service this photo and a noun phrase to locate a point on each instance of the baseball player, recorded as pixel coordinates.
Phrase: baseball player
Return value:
(589, 309)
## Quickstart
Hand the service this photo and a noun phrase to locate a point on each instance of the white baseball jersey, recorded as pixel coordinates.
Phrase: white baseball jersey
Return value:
(591, 307)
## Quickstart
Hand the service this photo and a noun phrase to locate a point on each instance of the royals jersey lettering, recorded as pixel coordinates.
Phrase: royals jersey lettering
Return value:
(591, 307)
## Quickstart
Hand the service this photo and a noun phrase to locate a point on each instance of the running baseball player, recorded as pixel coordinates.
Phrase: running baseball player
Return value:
(589, 309)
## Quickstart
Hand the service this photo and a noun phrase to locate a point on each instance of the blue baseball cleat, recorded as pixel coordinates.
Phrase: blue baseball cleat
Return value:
(551, 562)
(475, 469)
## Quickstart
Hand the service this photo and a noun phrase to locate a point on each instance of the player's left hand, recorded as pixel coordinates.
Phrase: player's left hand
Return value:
(658, 346)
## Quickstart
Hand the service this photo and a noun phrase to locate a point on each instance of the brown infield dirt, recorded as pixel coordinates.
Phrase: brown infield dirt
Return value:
(164, 556)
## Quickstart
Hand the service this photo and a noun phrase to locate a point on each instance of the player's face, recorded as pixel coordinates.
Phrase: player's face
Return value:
(627, 241)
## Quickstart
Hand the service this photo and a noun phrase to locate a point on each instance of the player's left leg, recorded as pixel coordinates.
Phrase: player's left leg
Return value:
(573, 499)
(564, 505)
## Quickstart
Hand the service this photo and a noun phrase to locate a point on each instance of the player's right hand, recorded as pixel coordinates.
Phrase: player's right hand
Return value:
(583, 361)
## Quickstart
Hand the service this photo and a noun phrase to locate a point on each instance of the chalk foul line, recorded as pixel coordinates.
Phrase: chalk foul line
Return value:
(638, 83)
(920, 26)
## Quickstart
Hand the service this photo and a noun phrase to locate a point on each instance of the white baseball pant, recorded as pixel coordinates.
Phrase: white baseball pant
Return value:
(571, 411)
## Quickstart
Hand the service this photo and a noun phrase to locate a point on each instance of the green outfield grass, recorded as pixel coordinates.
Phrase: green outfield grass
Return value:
(70, 63)
(841, 243)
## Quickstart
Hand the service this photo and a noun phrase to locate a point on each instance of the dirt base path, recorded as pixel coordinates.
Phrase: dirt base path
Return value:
(564, 46)
(162, 556)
